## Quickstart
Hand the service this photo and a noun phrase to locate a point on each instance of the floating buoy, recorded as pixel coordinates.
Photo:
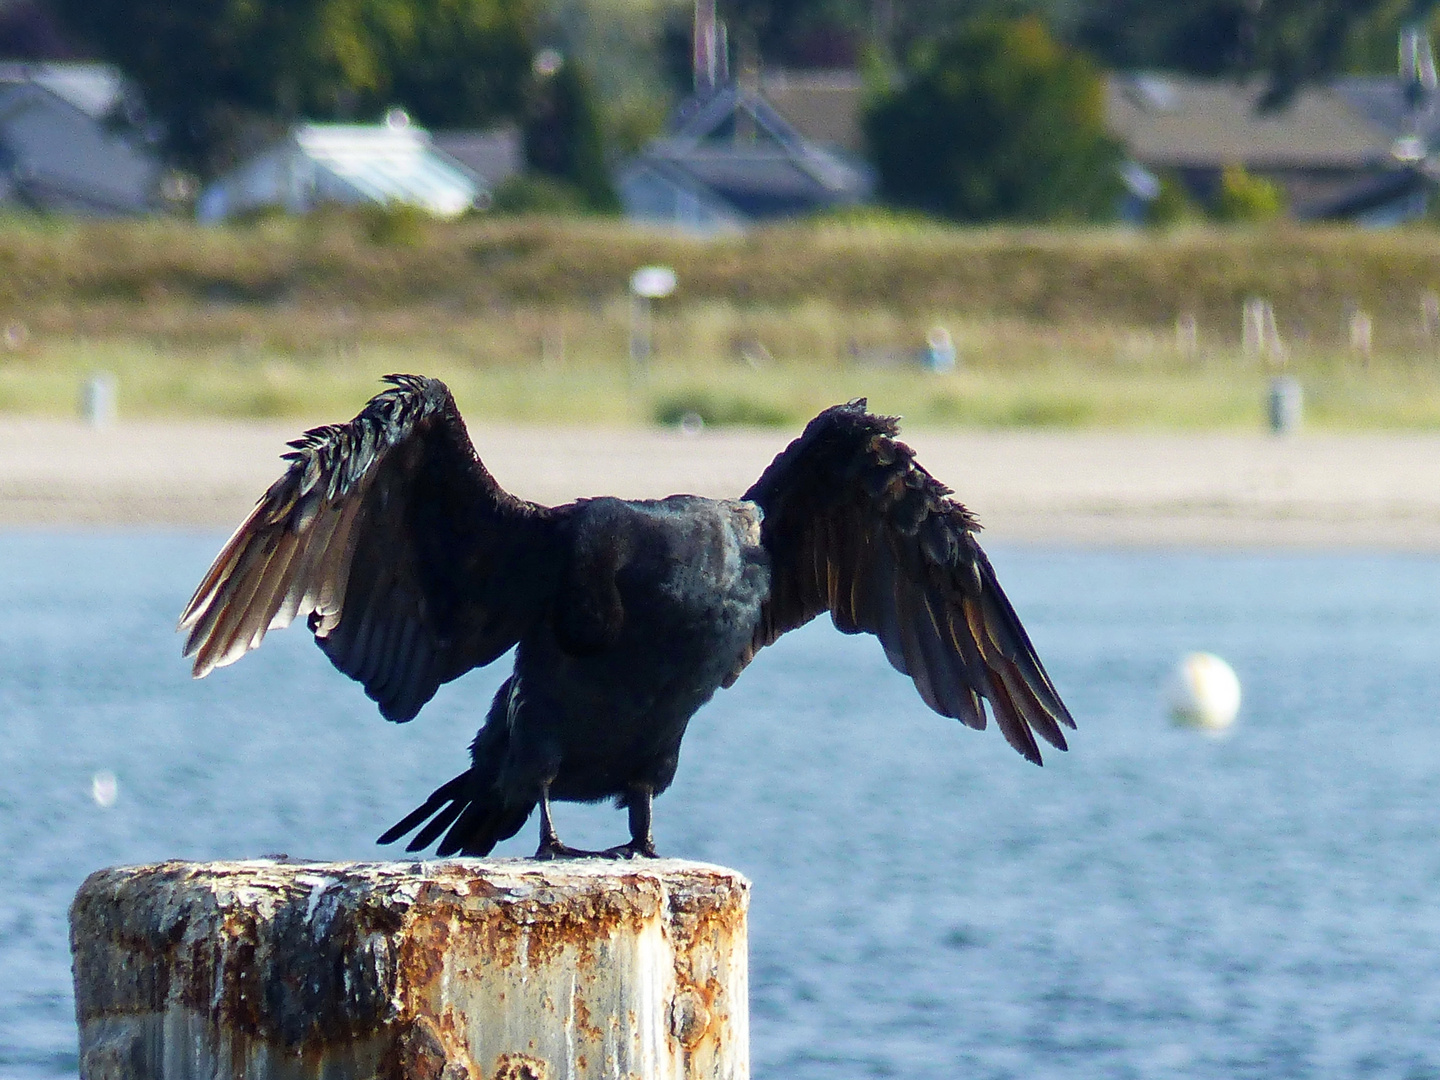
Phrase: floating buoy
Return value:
(104, 788)
(1204, 693)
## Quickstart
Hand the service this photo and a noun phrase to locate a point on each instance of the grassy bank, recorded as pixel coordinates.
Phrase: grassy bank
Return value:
(528, 320)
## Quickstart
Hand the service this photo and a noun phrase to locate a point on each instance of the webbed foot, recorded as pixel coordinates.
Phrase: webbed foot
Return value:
(551, 848)
(635, 849)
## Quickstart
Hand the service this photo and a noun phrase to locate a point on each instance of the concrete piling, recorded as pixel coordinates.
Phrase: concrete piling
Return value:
(456, 970)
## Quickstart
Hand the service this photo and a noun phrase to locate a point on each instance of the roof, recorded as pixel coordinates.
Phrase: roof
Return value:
(764, 183)
(823, 106)
(390, 162)
(494, 154)
(734, 145)
(1382, 101)
(98, 90)
(1182, 121)
(59, 153)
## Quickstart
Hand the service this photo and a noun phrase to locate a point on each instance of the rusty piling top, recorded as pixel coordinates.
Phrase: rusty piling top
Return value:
(460, 969)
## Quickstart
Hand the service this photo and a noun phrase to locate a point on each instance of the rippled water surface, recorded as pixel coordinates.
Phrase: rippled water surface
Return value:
(1154, 903)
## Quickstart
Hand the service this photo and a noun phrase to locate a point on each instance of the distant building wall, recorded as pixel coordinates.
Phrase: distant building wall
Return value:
(58, 157)
(650, 197)
(1343, 150)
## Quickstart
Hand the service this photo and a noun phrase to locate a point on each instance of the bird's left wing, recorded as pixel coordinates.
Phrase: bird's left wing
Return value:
(856, 527)
(410, 561)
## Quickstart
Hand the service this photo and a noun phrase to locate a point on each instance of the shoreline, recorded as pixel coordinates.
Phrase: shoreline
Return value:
(1116, 489)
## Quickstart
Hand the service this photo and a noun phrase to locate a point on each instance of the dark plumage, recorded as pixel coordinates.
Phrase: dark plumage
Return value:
(413, 566)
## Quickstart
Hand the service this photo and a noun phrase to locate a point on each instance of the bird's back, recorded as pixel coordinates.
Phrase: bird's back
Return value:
(658, 602)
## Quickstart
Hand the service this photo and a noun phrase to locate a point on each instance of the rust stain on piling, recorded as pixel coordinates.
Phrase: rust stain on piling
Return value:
(411, 970)
(520, 1067)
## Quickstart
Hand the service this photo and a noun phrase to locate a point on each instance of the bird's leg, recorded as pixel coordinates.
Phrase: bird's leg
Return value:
(642, 842)
(550, 845)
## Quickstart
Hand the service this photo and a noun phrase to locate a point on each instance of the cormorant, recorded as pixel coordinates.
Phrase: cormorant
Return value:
(413, 566)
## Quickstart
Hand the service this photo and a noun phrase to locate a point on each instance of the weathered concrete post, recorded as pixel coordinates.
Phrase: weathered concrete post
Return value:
(457, 970)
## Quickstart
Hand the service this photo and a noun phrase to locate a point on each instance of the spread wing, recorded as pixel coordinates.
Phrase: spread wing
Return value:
(410, 562)
(856, 527)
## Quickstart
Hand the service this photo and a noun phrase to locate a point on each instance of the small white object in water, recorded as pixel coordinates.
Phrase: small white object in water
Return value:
(692, 423)
(1204, 693)
(104, 788)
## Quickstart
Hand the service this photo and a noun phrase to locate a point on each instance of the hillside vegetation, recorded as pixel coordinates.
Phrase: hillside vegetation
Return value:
(530, 319)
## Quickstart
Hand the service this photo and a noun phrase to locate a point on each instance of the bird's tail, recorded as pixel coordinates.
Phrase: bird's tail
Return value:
(470, 809)
(476, 818)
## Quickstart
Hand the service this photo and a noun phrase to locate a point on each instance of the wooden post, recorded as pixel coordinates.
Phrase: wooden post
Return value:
(1187, 335)
(1360, 336)
(492, 969)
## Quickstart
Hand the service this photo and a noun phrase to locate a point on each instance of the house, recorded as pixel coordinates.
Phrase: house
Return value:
(1350, 149)
(73, 140)
(394, 162)
(824, 106)
(731, 160)
(1356, 148)
(493, 154)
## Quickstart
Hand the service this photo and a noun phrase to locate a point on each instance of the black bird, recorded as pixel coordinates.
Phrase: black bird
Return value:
(413, 566)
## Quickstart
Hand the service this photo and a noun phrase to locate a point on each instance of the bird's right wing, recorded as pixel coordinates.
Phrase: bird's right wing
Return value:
(411, 563)
(855, 526)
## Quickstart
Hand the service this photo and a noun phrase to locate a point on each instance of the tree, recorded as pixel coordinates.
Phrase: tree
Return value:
(563, 138)
(996, 122)
(799, 33)
(29, 32)
(204, 63)
(1289, 41)
(462, 61)
(1205, 38)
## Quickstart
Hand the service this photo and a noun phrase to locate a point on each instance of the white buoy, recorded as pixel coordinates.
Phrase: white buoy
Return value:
(104, 788)
(1204, 693)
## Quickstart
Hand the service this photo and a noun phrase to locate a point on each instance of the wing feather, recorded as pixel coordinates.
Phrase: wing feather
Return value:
(409, 562)
(854, 525)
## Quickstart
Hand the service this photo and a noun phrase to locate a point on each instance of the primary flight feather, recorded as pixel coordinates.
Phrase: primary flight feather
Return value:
(412, 566)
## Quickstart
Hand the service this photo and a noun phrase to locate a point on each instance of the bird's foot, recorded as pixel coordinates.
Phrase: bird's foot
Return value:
(551, 848)
(554, 849)
(633, 850)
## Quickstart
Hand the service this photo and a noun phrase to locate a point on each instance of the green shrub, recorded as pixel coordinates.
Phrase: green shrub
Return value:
(534, 193)
(1172, 206)
(1244, 197)
(394, 224)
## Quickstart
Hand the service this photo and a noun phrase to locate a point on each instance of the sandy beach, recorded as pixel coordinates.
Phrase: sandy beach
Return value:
(1193, 490)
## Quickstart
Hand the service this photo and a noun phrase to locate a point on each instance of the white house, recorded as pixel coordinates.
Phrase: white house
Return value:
(346, 164)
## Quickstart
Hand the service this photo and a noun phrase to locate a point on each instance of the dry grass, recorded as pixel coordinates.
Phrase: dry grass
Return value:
(528, 320)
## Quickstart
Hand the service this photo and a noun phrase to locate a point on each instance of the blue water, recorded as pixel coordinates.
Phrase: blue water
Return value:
(1154, 903)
